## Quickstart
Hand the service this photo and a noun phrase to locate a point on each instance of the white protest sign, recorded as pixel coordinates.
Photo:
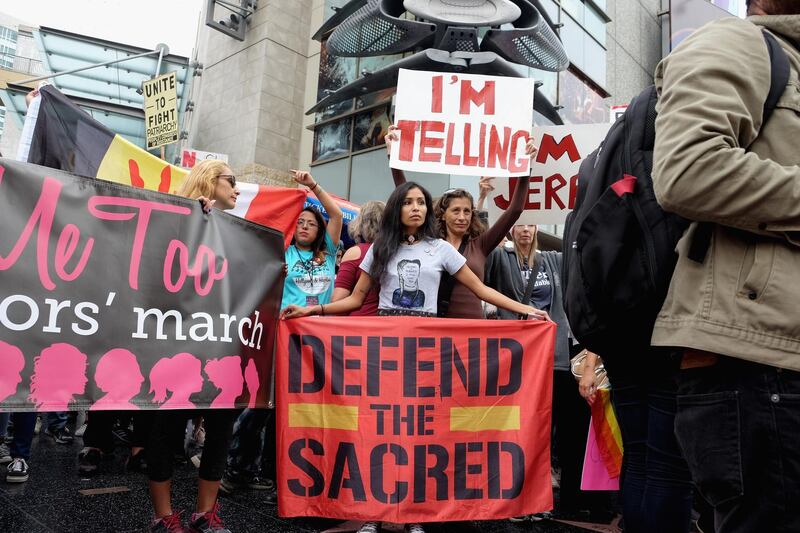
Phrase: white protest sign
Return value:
(190, 157)
(161, 110)
(554, 173)
(462, 124)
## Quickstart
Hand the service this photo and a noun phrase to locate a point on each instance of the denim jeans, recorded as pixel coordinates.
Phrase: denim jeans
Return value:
(655, 485)
(24, 424)
(252, 451)
(56, 420)
(739, 426)
(4, 417)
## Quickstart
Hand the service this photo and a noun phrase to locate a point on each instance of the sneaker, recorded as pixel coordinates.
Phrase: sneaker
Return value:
(17, 471)
(196, 459)
(231, 482)
(370, 527)
(555, 476)
(520, 518)
(89, 460)
(80, 431)
(122, 436)
(137, 463)
(168, 524)
(414, 528)
(208, 522)
(60, 435)
(538, 517)
(38, 427)
(5, 454)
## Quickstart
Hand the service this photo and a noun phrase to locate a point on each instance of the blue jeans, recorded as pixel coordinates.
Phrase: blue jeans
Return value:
(24, 424)
(739, 425)
(56, 420)
(252, 450)
(4, 417)
(655, 485)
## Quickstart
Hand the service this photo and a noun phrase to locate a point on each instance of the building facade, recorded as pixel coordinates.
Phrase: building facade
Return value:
(252, 97)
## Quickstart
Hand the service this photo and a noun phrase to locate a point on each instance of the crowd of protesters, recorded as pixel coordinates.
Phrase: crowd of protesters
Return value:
(708, 424)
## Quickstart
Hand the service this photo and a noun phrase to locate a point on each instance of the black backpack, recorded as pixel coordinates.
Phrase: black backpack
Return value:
(619, 245)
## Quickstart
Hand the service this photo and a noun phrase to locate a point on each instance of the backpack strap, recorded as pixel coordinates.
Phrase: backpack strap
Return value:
(779, 78)
(537, 264)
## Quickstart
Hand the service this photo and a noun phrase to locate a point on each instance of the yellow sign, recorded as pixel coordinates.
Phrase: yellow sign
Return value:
(161, 110)
(124, 162)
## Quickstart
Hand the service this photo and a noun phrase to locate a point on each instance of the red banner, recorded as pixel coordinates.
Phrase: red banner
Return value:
(405, 419)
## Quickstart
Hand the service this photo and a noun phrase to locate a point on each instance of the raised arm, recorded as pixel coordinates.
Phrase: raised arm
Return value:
(346, 305)
(467, 277)
(335, 215)
(398, 175)
(494, 235)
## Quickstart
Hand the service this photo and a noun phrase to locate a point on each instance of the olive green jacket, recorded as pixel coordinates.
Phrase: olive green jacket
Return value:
(714, 162)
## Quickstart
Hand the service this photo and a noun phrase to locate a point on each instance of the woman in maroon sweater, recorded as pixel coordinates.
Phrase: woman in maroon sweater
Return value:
(460, 226)
(363, 230)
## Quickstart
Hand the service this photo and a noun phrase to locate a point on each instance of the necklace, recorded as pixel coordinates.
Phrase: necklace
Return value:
(410, 239)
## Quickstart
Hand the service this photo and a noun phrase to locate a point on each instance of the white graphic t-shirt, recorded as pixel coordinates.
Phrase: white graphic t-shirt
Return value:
(411, 280)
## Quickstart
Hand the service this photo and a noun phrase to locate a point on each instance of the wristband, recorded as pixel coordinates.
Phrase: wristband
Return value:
(314, 188)
(321, 310)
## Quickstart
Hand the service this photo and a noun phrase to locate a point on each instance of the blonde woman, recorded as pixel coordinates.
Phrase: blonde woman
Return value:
(363, 230)
(212, 183)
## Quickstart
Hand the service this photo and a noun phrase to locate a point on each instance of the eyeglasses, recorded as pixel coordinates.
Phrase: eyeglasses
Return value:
(230, 177)
(306, 224)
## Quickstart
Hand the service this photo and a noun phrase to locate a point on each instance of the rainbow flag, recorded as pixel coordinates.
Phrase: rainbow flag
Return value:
(607, 432)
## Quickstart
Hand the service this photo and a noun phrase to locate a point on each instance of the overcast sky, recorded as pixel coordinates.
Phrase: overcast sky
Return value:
(143, 23)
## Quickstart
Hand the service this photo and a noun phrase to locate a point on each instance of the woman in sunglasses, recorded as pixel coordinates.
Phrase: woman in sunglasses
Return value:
(214, 185)
(311, 259)
(460, 225)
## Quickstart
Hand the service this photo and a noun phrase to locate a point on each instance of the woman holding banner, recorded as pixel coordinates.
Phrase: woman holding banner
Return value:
(408, 259)
(460, 226)
(212, 183)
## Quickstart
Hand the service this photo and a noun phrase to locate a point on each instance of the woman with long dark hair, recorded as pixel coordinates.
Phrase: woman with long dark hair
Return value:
(460, 225)
(311, 259)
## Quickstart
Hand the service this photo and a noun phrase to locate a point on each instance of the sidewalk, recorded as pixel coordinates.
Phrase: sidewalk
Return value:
(56, 500)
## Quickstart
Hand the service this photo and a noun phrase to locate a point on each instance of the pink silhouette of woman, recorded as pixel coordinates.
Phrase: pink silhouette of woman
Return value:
(118, 375)
(226, 374)
(12, 361)
(179, 374)
(59, 373)
(251, 378)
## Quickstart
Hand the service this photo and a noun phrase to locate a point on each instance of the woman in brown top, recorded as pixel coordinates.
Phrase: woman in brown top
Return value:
(460, 226)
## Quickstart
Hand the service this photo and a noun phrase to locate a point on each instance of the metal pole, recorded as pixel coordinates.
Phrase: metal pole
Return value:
(158, 65)
(73, 71)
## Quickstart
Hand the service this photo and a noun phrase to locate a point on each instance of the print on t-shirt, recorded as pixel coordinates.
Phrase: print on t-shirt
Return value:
(311, 277)
(409, 295)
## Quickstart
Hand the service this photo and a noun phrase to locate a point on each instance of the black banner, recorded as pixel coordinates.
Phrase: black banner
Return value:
(113, 297)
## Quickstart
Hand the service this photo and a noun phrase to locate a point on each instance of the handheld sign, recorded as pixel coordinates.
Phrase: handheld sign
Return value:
(554, 173)
(190, 157)
(462, 124)
(161, 110)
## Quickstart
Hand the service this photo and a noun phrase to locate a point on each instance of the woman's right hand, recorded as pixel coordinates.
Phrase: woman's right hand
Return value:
(587, 386)
(295, 311)
(206, 204)
(391, 137)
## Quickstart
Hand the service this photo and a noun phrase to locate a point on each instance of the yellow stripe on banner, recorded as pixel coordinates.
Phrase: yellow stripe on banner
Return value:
(495, 417)
(323, 416)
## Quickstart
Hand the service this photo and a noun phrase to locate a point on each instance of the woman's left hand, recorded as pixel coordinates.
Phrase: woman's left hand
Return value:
(303, 178)
(536, 314)
(530, 148)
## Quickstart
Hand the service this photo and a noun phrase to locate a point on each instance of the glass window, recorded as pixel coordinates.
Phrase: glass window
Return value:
(2, 119)
(371, 178)
(595, 61)
(572, 36)
(371, 65)
(333, 176)
(581, 104)
(574, 8)
(550, 80)
(334, 72)
(370, 127)
(595, 24)
(552, 9)
(332, 140)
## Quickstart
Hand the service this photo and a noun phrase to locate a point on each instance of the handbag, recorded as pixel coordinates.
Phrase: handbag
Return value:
(601, 376)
